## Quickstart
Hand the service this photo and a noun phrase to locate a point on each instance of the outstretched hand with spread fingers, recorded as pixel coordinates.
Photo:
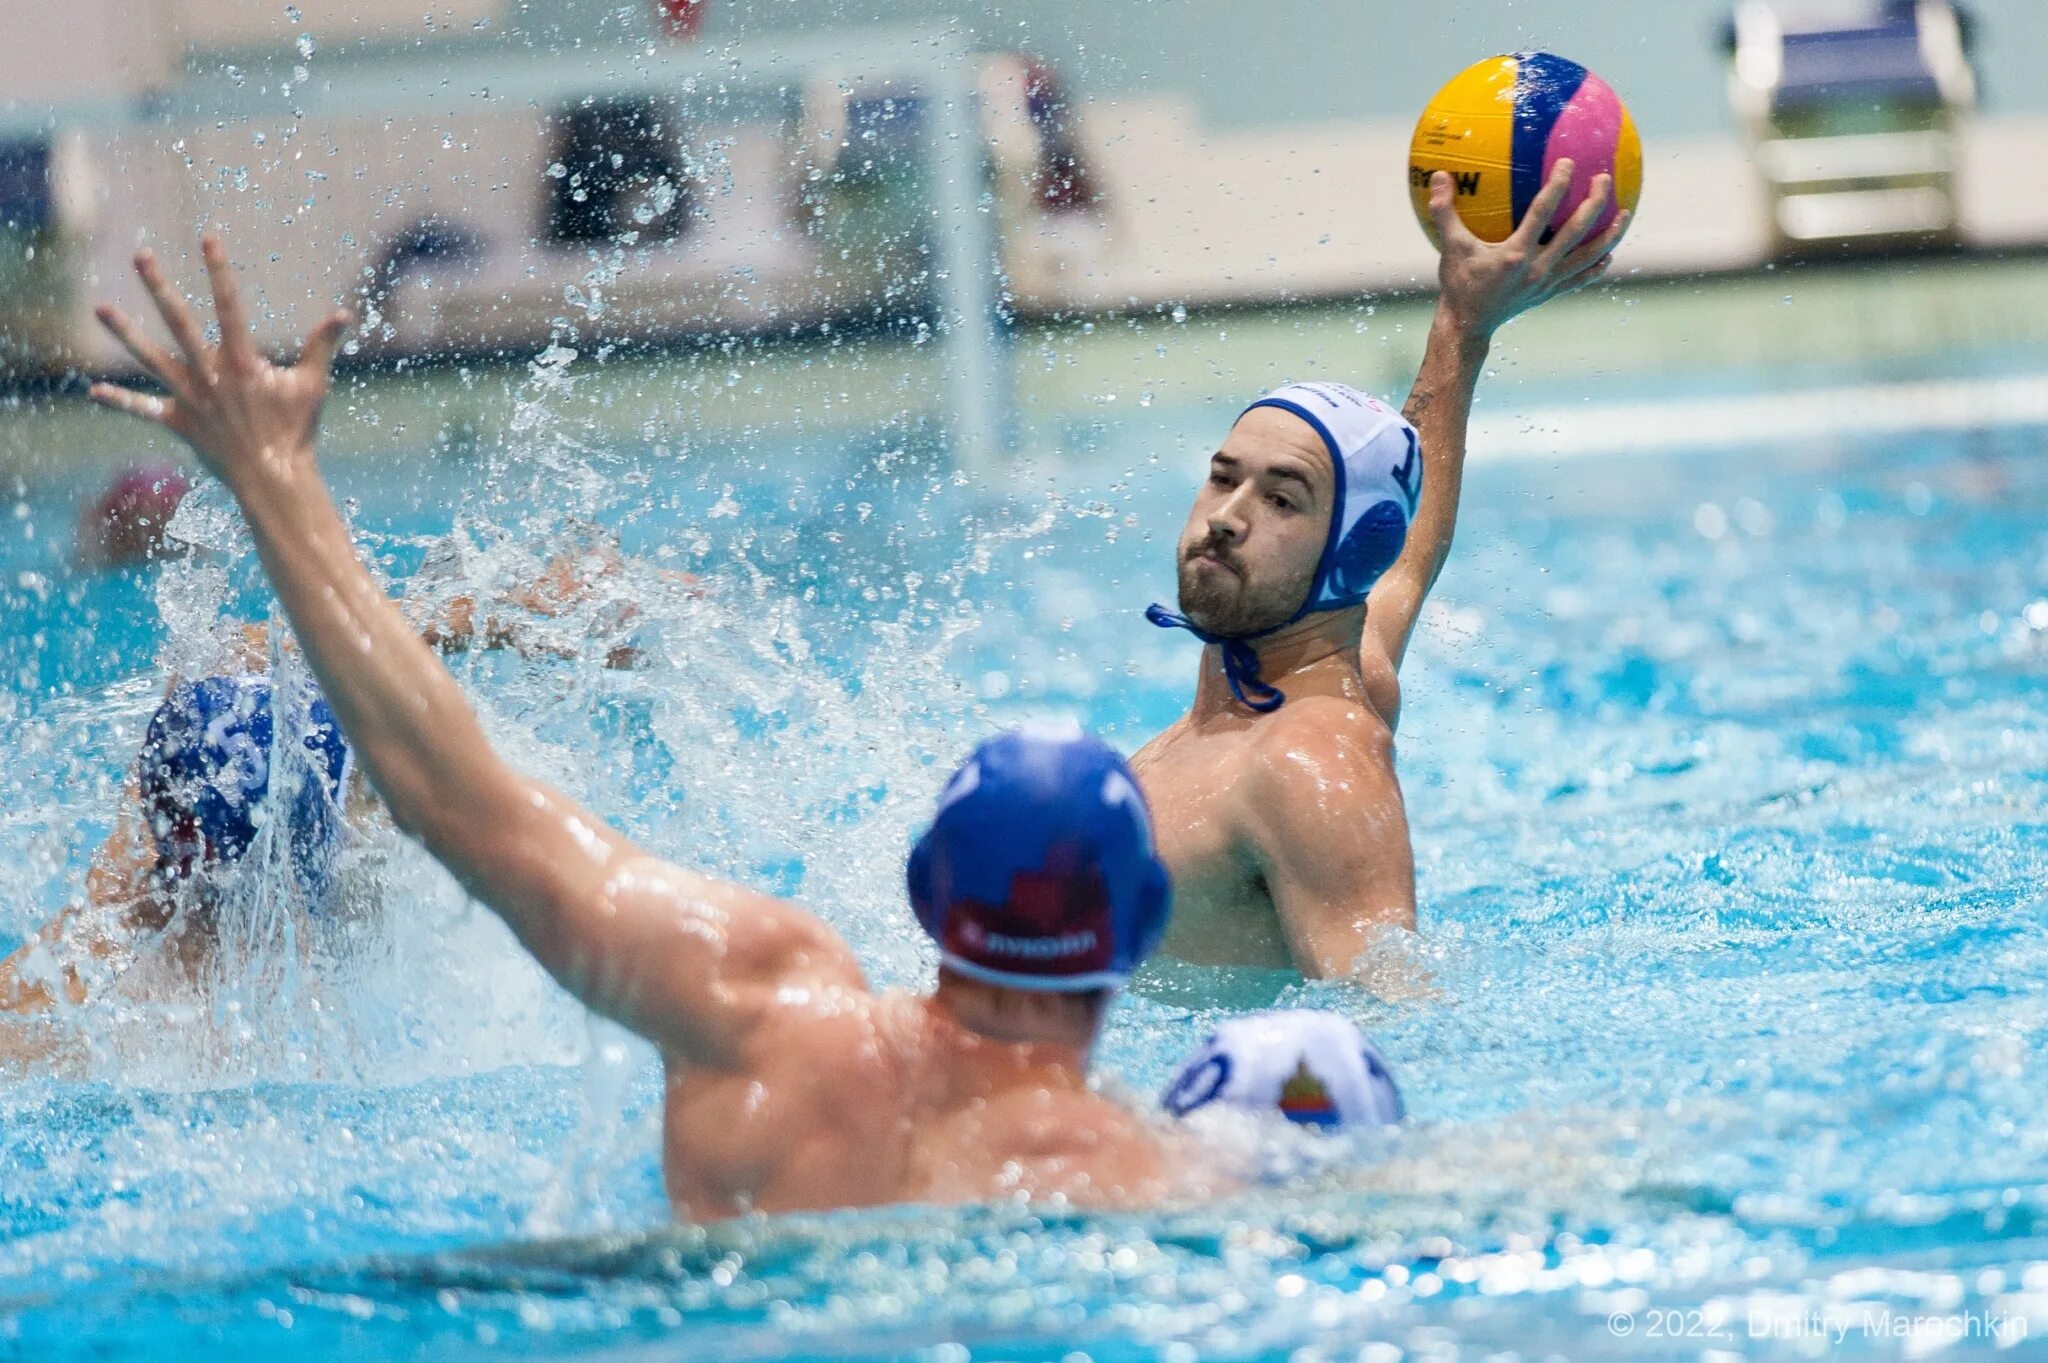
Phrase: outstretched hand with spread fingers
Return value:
(1485, 284)
(245, 416)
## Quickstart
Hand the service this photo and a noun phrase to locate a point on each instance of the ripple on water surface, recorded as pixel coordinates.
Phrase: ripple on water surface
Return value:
(1729, 780)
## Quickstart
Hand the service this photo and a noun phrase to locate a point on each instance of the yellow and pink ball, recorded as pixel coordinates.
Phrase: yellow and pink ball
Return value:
(1500, 127)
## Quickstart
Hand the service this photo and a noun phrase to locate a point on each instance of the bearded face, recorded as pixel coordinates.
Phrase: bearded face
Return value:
(1249, 552)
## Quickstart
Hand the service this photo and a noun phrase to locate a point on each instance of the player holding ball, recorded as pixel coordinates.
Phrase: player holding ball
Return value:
(1321, 528)
(1502, 126)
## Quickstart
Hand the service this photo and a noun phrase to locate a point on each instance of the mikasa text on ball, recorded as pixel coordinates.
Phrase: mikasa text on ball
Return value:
(1503, 124)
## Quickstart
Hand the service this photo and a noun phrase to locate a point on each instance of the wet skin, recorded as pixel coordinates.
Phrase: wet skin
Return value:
(1316, 777)
(131, 906)
(1285, 832)
(791, 1085)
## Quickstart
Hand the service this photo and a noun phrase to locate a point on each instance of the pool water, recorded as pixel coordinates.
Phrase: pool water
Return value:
(1729, 782)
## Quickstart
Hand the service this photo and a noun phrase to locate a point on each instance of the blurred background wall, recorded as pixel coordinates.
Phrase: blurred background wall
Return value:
(441, 166)
(1292, 61)
(1240, 64)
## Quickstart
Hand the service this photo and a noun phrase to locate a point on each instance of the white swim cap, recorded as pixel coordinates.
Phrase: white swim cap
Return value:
(1377, 457)
(1311, 1067)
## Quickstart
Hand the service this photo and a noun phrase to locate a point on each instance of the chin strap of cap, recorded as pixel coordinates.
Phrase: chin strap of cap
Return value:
(1240, 662)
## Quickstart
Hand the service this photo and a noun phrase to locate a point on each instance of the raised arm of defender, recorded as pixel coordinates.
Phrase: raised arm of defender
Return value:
(690, 962)
(1483, 285)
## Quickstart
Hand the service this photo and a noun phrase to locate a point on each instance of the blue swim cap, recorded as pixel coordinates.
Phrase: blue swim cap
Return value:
(1377, 457)
(206, 768)
(1311, 1067)
(1038, 870)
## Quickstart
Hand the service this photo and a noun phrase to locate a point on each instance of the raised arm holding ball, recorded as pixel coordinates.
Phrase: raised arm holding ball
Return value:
(1320, 530)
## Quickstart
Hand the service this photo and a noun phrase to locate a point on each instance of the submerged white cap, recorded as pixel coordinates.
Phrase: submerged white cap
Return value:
(1311, 1067)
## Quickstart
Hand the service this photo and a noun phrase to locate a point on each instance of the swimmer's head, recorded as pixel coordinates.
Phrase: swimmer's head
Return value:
(1038, 872)
(129, 522)
(1305, 505)
(205, 774)
(1313, 1068)
(1249, 550)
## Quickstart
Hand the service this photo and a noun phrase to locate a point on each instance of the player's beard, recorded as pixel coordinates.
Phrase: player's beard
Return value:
(1230, 602)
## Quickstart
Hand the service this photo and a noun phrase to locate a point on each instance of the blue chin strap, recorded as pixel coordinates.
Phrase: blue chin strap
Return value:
(1240, 660)
(1377, 459)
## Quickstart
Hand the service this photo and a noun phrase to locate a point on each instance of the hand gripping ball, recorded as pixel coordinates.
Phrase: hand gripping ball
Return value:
(1503, 124)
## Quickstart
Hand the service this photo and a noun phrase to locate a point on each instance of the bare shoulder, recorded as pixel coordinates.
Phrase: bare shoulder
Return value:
(837, 1031)
(1317, 738)
(1315, 759)
(697, 964)
(812, 1114)
(1158, 744)
(761, 935)
(1086, 1147)
(824, 1056)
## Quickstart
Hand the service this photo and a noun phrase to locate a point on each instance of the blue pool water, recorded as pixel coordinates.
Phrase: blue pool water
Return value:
(1729, 780)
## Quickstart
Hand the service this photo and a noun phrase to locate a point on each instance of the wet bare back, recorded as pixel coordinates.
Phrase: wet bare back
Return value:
(858, 1099)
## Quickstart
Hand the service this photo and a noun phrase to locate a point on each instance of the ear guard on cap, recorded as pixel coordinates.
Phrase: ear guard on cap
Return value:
(919, 875)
